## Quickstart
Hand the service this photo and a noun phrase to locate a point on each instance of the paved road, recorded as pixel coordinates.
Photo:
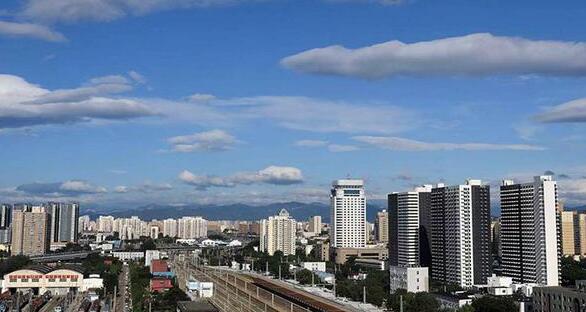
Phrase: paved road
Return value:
(123, 295)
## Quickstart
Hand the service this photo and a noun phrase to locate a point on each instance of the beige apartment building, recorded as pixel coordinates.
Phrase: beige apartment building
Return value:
(573, 226)
(381, 226)
(30, 232)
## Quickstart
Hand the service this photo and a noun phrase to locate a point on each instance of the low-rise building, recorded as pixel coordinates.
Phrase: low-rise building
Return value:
(371, 264)
(128, 255)
(500, 285)
(158, 266)
(196, 306)
(201, 289)
(314, 266)
(412, 279)
(322, 250)
(161, 284)
(150, 255)
(560, 299)
(341, 255)
(43, 278)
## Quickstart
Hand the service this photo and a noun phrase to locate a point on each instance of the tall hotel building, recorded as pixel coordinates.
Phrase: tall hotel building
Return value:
(409, 228)
(460, 234)
(278, 233)
(348, 214)
(530, 230)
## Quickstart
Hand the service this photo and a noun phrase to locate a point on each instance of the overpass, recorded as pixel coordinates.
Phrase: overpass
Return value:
(63, 256)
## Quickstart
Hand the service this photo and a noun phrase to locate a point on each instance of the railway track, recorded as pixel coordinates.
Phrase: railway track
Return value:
(297, 297)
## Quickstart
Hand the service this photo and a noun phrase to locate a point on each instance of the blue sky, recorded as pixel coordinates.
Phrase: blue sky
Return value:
(117, 102)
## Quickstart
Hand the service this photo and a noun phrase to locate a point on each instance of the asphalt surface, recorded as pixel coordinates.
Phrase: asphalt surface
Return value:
(123, 294)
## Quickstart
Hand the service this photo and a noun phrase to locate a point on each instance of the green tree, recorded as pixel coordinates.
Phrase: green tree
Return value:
(419, 302)
(494, 304)
(572, 271)
(304, 277)
(13, 263)
(148, 244)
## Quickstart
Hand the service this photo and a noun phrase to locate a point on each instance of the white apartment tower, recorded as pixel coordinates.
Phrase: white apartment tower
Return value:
(192, 227)
(530, 231)
(170, 227)
(105, 224)
(348, 214)
(278, 233)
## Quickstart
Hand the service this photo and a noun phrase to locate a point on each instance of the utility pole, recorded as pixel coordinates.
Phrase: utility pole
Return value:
(280, 271)
(401, 303)
(312, 280)
(267, 267)
(335, 296)
(364, 294)
(114, 305)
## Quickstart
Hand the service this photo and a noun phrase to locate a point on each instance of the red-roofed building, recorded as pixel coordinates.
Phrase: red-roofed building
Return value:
(160, 284)
(159, 266)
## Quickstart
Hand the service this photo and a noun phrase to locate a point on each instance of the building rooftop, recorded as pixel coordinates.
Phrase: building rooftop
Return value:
(196, 306)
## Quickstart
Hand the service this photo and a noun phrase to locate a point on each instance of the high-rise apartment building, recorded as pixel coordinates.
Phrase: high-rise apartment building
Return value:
(348, 214)
(381, 226)
(530, 230)
(64, 222)
(30, 232)
(495, 230)
(5, 221)
(278, 233)
(460, 234)
(170, 227)
(105, 224)
(573, 238)
(408, 223)
(315, 224)
(5, 216)
(192, 227)
(85, 224)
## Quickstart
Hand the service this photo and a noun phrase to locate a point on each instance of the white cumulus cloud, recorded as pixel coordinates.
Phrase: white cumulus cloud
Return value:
(276, 175)
(213, 140)
(24, 104)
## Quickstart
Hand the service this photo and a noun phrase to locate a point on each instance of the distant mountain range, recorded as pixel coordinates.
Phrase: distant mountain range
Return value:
(299, 211)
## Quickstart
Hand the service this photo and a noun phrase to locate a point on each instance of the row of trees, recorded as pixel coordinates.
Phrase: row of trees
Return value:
(141, 296)
(110, 271)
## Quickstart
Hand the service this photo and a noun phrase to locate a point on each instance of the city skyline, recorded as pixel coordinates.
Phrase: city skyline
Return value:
(212, 111)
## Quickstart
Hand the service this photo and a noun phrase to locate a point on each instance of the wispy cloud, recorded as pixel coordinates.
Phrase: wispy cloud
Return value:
(402, 144)
(311, 143)
(480, 54)
(332, 147)
(340, 148)
(30, 30)
(572, 111)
